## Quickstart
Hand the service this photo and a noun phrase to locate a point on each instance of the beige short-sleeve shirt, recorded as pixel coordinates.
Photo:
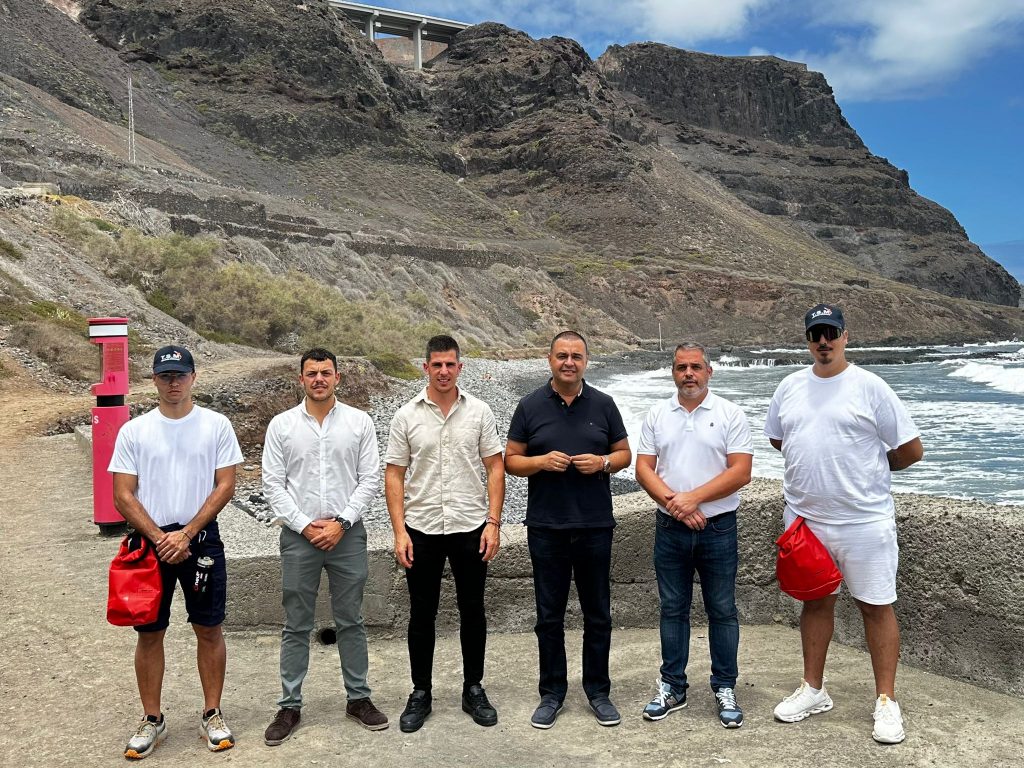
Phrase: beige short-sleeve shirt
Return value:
(445, 489)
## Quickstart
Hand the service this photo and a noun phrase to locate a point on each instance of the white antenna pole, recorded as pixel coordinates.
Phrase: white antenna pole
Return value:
(131, 124)
(660, 348)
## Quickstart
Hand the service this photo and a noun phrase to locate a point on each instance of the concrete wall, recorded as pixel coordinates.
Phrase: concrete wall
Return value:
(961, 586)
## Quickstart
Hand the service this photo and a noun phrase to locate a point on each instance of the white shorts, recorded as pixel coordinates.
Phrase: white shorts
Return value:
(867, 555)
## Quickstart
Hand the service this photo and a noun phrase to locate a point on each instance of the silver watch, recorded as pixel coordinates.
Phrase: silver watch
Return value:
(607, 464)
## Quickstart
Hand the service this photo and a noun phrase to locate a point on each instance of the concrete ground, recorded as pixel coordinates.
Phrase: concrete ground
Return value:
(69, 698)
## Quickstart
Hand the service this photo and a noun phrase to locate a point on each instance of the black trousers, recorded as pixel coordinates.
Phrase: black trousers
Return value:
(429, 551)
(561, 556)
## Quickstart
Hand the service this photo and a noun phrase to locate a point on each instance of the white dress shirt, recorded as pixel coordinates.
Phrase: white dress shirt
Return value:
(314, 471)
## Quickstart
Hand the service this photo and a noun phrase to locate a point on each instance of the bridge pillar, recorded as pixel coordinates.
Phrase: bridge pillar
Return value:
(371, 23)
(417, 44)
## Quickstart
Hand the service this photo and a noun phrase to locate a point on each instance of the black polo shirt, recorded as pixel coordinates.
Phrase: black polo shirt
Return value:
(591, 424)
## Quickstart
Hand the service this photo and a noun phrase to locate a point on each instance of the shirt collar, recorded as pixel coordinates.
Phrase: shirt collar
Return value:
(705, 403)
(306, 412)
(422, 397)
(553, 393)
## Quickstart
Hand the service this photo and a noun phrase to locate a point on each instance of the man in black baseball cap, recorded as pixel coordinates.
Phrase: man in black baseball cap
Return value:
(173, 359)
(824, 314)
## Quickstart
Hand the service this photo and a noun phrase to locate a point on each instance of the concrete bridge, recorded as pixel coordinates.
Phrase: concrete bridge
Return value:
(419, 28)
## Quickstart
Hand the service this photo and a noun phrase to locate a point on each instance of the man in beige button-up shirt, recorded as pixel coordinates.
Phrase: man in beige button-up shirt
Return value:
(444, 439)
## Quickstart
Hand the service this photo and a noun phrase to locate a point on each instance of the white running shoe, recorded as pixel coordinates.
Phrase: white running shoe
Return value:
(888, 721)
(149, 733)
(802, 703)
(216, 732)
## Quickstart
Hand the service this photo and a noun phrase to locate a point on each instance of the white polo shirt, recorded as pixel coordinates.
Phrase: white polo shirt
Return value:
(693, 447)
(444, 486)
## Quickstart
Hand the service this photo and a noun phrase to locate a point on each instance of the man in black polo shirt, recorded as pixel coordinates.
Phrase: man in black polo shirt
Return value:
(568, 438)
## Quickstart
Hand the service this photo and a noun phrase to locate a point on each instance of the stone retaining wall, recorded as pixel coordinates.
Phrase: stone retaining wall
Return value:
(961, 587)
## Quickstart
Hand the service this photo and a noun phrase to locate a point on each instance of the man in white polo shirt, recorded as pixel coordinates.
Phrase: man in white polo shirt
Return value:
(843, 431)
(694, 455)
(444, 439)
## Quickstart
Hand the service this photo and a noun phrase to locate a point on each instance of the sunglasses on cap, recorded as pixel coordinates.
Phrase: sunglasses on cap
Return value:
(830, 332)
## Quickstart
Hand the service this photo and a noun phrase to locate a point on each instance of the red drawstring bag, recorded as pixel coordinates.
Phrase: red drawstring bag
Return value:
(803, 566)
(135, 584)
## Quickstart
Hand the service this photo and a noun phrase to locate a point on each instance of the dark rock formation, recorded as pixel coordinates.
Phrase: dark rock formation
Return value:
(758, 96)
(772, 133)
(289, 78)
(513, 188)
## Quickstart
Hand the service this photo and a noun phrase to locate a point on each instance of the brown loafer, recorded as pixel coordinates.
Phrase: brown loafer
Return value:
(286, 721)
(367, 715)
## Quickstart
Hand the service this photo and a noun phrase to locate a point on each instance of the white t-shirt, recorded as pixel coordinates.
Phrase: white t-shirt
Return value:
(835, 433)
(692, 447)
(175, 460)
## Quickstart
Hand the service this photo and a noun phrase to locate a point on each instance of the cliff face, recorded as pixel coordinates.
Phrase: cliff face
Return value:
(512, 189)
(758, 97)
(772, 133)
(290, 78)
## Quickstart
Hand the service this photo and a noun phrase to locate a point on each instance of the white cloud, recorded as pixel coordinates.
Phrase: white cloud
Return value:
(888, 50)
(689, 21)
(868, 49)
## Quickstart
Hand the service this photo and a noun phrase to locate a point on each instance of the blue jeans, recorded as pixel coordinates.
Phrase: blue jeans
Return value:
(560, 556)
(678, 552)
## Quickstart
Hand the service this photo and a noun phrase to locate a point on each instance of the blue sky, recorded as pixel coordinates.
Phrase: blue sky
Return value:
(935, 86)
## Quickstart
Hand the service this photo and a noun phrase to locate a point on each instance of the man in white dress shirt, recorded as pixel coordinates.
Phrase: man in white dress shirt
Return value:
(321, 470)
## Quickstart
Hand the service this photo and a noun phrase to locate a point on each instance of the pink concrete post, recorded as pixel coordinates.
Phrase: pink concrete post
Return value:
(110, 413)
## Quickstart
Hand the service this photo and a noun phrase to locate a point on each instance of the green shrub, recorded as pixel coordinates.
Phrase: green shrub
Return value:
(60, 315)
(230, 301)
(102, 224)
(394, 365)
(161, 301)
(10, 250)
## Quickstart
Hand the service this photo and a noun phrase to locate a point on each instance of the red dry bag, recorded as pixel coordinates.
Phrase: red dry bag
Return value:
(135, 584)
(803, 566)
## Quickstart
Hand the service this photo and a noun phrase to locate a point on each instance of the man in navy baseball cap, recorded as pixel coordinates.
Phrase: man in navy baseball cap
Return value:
(824, 314)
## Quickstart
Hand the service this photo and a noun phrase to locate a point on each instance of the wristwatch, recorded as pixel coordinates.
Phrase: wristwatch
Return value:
(343, 522)
(607, 464)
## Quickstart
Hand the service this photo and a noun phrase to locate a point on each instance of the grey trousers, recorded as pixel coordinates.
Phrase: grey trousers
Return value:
(301, 565)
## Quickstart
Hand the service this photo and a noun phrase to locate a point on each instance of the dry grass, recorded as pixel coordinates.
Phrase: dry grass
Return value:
(66, 352)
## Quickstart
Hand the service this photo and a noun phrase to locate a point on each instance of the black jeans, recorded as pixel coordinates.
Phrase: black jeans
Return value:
(462, 550)
(560, 556)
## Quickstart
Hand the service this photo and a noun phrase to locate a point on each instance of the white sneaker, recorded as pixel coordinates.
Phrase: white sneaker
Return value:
(216, 732)
(149, 733)
(802, 703)
(888, 721)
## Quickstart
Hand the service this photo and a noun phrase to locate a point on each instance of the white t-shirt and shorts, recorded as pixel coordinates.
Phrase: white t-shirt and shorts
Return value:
(175, 461)
(835, 434)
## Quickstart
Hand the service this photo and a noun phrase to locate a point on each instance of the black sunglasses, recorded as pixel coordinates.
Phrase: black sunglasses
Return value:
(830, 332)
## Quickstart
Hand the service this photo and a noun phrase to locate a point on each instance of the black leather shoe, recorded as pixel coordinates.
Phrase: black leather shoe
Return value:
(475, 703)
(416, 711)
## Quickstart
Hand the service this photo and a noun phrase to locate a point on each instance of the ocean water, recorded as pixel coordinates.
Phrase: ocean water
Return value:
(970, 413)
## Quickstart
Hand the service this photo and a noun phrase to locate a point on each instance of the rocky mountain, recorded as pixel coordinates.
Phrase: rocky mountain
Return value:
(771, 132)
(514, 188)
